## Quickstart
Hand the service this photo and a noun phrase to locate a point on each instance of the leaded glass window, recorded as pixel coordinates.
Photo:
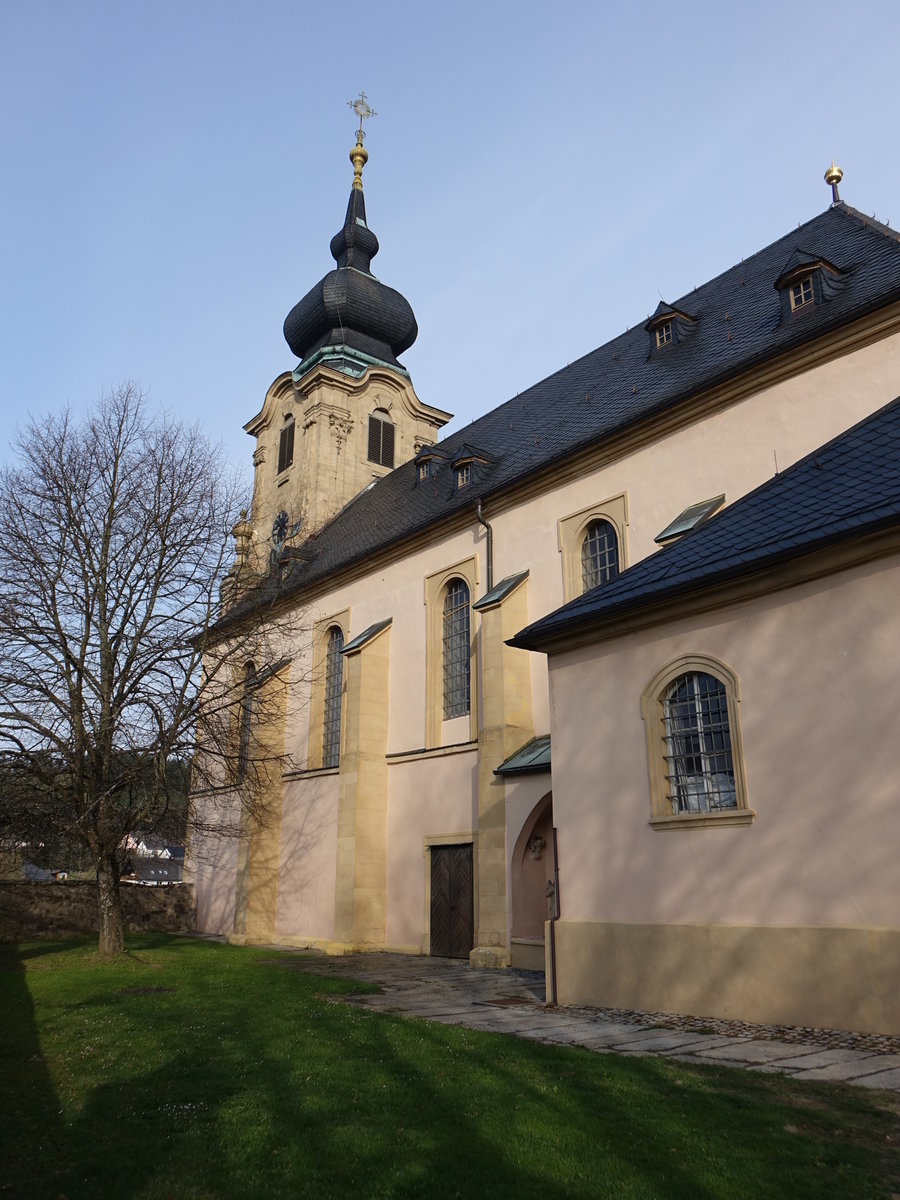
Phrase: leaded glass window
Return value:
(456, 650)
(334, 672)
(599, 555)
(699, 766)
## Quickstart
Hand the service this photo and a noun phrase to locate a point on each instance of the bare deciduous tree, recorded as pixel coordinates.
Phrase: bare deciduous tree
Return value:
(113, 545)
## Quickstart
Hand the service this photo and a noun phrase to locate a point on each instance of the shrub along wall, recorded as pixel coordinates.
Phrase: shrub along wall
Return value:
(34, 910)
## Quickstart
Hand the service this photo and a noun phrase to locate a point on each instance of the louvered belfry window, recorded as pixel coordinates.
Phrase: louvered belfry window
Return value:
(286, 446)
(334, 671)
(456, 650)
(381, 439)
(699, 765)
(599, 555)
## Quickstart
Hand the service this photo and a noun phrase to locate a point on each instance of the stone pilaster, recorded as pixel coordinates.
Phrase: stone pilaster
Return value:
(361, 891)
(507, 723)
(258, 854)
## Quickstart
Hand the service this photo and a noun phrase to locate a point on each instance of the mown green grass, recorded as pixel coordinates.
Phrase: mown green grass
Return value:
(192, 1069)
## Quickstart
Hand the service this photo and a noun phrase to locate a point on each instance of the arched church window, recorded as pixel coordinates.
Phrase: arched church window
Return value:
(599, 555)
(456, 650)
(334, 673)
(381, 438)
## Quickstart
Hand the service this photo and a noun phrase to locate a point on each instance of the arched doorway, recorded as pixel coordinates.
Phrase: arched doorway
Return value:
(531, 870)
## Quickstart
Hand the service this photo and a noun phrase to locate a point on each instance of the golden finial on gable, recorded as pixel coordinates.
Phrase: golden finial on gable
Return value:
(833, 177)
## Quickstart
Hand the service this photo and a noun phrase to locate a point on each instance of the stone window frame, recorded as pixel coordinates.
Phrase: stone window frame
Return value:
(315, 740)
(652, 712)
(571, 531)
(435, 589)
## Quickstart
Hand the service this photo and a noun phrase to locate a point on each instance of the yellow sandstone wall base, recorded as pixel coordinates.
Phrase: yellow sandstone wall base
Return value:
(832, 978)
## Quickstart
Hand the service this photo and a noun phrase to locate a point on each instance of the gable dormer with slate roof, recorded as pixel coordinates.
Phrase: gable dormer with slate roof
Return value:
(348, 413)
(668, 327)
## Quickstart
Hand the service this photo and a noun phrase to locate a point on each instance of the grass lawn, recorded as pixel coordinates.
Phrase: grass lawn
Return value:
(192, 1069)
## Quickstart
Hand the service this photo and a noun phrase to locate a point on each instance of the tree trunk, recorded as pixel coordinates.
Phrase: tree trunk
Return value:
(112, 936)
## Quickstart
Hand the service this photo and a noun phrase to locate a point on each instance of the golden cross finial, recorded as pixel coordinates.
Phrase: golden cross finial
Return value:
(358, 155)
(361, 107)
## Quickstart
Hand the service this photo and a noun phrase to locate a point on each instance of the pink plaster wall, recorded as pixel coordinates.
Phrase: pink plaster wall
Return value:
(212, 868)
(820, 691)
(426, 797)
(307, 870)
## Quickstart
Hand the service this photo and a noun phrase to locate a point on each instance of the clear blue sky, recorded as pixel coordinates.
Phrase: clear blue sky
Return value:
(539, 175)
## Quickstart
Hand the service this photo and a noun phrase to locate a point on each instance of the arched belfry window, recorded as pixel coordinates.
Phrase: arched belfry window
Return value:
(286, 445)
(334, 673)
(381, 438)
(599, 554)
(245, 727)
(456, 650)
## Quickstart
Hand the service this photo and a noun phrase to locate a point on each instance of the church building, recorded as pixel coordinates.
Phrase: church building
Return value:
(444, 793)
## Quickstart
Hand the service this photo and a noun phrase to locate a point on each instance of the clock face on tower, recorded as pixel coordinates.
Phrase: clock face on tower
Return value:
(280, 527)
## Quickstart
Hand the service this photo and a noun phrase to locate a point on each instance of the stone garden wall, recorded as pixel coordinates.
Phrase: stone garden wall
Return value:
(36, 910)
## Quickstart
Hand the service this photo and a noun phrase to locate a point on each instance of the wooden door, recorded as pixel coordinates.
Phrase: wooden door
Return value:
(452, 901)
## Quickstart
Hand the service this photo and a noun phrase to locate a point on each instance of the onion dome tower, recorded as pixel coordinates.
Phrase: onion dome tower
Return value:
(348, 413)
(351, 321)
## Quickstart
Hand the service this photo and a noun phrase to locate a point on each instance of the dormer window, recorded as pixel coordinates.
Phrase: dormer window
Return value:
(286, 445)
(802, 293)
(667, 327)
(428, 461)
(470, 464)
(806, 282)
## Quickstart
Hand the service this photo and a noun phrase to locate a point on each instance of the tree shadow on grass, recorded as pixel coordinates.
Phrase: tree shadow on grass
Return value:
(280, 1093)
(28, 1100)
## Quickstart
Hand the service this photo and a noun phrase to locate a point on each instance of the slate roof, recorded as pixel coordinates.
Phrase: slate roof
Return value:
(847, 488)
(739, 324)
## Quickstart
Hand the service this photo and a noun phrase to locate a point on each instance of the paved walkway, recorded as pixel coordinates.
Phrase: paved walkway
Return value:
(452, 993)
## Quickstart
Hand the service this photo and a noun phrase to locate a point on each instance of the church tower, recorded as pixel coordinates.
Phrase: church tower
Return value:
(347, 414)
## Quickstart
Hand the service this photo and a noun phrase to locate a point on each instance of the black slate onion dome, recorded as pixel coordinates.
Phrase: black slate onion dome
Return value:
(350, 308)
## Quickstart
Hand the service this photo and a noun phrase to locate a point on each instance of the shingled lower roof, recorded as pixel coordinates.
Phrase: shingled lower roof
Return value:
(845, 489)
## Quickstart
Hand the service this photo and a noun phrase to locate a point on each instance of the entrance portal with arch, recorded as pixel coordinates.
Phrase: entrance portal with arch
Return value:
(532, 880)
